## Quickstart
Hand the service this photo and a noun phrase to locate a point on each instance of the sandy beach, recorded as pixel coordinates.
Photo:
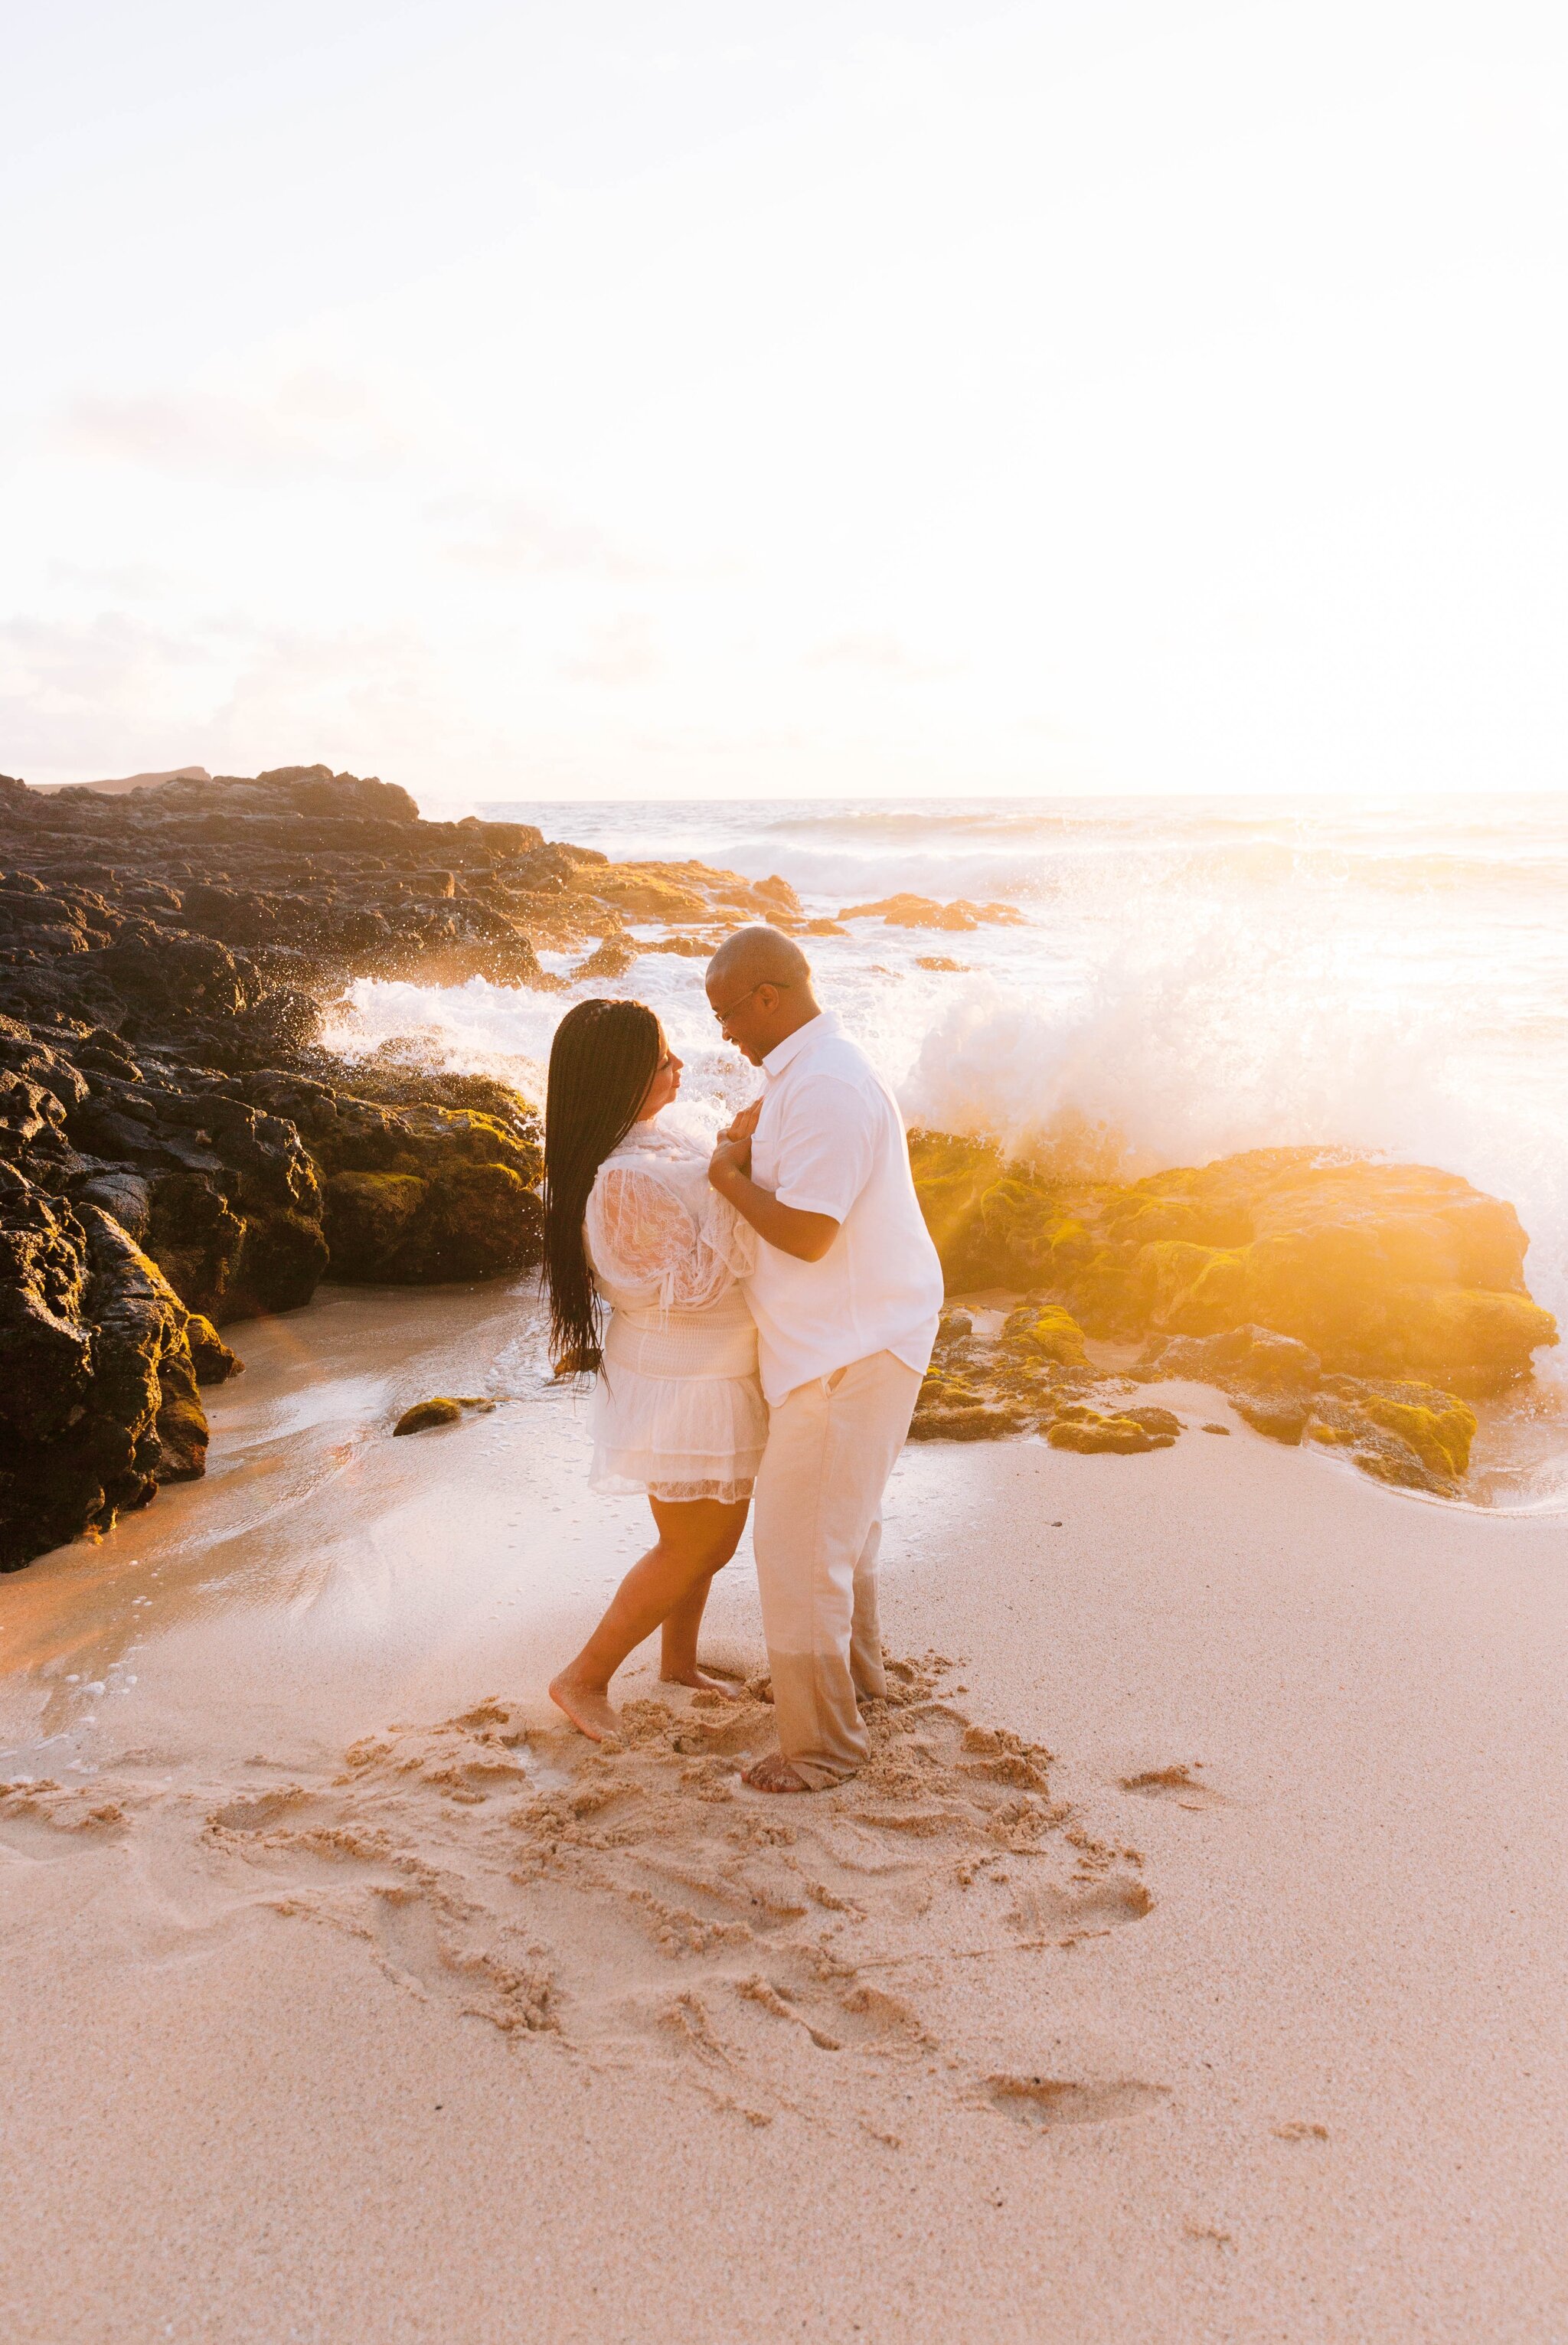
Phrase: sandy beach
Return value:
(475, 2035)
(857, 712)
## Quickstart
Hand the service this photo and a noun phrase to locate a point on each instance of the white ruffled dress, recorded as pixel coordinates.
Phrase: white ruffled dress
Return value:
(678, 1409)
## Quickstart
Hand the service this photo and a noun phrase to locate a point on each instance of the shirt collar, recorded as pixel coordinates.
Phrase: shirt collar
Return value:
(815, 1029)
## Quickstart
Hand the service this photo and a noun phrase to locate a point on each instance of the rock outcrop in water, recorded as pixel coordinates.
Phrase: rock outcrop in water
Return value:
(922, 912)
(309, 877)
(1382, 1270)
(1355, 1305)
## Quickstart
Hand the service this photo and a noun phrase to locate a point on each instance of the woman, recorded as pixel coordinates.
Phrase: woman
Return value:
(630, 1219)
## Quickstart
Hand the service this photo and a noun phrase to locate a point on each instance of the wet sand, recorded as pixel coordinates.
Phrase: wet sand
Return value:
(348, 1996)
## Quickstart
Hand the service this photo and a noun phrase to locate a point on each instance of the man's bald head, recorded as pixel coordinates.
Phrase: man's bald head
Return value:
(759, 957)
(760, 984)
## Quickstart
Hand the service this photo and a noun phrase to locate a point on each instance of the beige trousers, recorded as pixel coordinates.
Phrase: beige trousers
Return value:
(816, 1527)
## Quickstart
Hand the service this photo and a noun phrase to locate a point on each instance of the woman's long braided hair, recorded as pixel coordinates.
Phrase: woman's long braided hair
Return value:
(602, 1060)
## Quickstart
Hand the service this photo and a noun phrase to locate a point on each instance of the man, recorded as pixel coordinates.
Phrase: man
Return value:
(846, 1295)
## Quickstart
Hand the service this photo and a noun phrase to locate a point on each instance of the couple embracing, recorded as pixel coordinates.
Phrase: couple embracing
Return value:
(771, 1312)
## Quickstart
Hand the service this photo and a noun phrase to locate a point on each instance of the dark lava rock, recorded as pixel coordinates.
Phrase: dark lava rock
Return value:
(413, 1195)
(210, 1356)
(1155, 1420)
(142, 1199)
(1254, 1358)
(177, 1151)
(1277, 1414)
(98, 1399)
(1271, 1378)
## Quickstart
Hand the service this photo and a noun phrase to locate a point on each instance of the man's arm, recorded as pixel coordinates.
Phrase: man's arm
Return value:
(807, 1236)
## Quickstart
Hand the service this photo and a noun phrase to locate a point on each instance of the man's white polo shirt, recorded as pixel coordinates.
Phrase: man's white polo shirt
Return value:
(830, 1140)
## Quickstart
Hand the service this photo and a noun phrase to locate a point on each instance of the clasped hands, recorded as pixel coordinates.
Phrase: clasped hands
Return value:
(791, 1228)
(732, 1150)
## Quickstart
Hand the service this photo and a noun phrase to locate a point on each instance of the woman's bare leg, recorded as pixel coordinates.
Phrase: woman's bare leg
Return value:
(678, 1638)
(695, 1540)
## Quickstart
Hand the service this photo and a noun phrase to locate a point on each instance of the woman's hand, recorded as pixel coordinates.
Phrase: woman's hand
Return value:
(732, 1150)
(743, 1125)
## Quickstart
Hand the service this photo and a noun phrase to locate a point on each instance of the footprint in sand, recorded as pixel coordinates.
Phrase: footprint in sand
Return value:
(638, 1909)
(1175, 1783)
(261, 1813)
(1049, 1910)
(45, 1819)
(1047, 2101)
(428, 1941)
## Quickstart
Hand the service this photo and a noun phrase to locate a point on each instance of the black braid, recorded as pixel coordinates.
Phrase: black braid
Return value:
(602, 1060)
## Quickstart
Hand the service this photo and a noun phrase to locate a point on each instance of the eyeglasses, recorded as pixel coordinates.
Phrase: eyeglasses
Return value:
(727, 1012)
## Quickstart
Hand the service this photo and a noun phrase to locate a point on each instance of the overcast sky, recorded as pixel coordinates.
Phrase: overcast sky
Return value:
(632, 398)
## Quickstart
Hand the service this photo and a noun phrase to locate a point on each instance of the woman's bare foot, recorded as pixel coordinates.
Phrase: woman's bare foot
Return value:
(774, 1773)
(588, 1707)
(700, 1682)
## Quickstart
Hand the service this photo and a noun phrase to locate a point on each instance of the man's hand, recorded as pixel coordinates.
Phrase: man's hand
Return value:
(807, 1236)
(730, 1156)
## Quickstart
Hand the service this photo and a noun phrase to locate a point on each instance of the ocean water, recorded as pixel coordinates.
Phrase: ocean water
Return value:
(1193, 977)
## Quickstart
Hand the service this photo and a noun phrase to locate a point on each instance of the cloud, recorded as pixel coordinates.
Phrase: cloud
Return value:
(621, 652)
(357, 697)
(135, 581)
(880, 654)
(313, 424)
(109, 696)
(85, 696)
(515, 534)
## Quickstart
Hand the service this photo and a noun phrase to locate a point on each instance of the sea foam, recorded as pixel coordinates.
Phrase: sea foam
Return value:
(1193, 978)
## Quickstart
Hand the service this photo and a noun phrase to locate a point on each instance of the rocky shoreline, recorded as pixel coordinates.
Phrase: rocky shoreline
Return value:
(177, 1154)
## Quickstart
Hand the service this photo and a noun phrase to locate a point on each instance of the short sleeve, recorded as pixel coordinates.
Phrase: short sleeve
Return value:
(825, 1147)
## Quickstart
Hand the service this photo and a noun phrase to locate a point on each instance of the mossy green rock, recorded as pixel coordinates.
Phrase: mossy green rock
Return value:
(1046, 1332)
(1090, 1430)
(966, 1421)
(210, 1356)
(438, 1410)
(1382, 1269)
(417, 1194)
(1437, 1428)
(442, 1408)
(948, 1407)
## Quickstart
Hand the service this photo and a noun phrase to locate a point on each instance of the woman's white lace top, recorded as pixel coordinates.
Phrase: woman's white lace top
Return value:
(660, 1237)
(678, 1409)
